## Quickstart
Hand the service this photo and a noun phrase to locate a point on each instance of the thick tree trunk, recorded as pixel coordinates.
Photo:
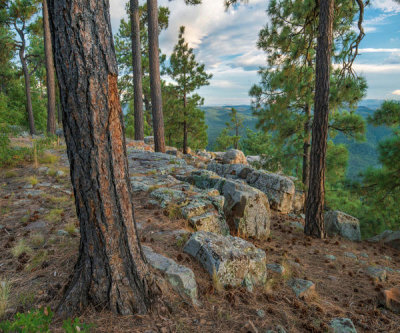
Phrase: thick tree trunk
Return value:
(306, 148)
(155, 81)
(137, 70)
(51, 83)
(316, 193)
(111, 271)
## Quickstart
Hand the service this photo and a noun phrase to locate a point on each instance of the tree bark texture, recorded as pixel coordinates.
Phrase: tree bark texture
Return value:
(306, 147)
(137, 70)
(111, 271)
(316, 193)
(155, 82)
(185, 127)
(27, 79)
(51, 84)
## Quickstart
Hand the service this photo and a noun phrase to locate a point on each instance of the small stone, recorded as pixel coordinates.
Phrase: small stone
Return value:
(297, 225)
(377, 273)
(342, 325)
(387, 258)
(231, 260)
(302, 288)
(62, 233)
(43, 169)
(261, 313)
(276, 268)
(364, 255)
(330, 257)
(60, 173)
(350, 255)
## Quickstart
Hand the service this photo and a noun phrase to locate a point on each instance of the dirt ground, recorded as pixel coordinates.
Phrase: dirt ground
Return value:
(39, 246)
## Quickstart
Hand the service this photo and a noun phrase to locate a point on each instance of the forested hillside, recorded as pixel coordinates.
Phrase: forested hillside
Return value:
(361, 154)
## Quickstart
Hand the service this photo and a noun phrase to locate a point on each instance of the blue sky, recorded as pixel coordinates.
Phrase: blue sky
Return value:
(225, 41)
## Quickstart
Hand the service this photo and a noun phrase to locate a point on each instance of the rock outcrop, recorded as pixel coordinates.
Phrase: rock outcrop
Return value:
(279, 189)
(230, 260)
(180, 277)
(390, 299)
(234, 156)
(389, 238)
(246, 209)
(342, 224)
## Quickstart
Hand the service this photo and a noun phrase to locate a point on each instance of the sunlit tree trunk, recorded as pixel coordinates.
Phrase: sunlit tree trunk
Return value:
(137, 70)
(316, 192)
(155, 81)
(111, 271)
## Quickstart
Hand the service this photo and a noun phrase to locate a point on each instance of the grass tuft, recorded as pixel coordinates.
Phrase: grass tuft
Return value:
(19, 248)
(33, 180)
(54, 215)
(48, 158)
(37, 240)
(5, 290)
(10, 174)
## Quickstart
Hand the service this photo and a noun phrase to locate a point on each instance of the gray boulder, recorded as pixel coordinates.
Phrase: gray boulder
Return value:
(230, 260)
(180, 277)
(302, 288)
(388, 237)
(149, 140)
(279, 189)
(299, 199)
(246, 209)
(342, 325)
(230, 170)
(234, 156)
(342, 224)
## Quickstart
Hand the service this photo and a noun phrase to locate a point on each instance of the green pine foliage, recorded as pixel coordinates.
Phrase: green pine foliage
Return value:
(231, 134)
(188, 76)
(283, 100)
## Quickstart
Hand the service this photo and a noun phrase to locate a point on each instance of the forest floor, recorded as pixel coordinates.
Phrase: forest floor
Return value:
(39, 241)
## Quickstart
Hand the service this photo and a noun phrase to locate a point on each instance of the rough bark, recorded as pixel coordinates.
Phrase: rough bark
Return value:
(185, 127)
(316, 193)
(137, 70)
(155, 82)
(306, 148)
(51, 83)
(111, 271)
(27, 79)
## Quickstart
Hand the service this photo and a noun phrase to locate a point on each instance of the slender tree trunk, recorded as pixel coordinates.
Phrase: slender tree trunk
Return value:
(59, 116)
(137, 70)
(316, 193)
(185, 129)
(111, 271)
(155, 81)
(51, 83)
(27, 79)
(306, 148)
(237, 134)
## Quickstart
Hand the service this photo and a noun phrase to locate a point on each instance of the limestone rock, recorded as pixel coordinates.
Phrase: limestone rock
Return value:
(342, 224)
(377, 273)
(253, 159)
(299, 199)
(279, 189)
(342, 325)
(149, 140)
(391, 299)
(231, 260)
(209, 222)
(180, 277)
(276, 268)
(302, 288)
(234, 156)
(389, 238)
(350, 255)
(246, 209)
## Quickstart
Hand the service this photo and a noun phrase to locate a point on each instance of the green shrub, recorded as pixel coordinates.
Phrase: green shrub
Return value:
(32, 321)
(74, 326)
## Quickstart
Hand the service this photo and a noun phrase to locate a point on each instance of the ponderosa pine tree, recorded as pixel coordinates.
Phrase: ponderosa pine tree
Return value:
(123, 46)
(20, 15)
(316, 194)
(283, 101)
(111, 271)
(50, 77)
(137, 69)
(189, 76)
(230, 135)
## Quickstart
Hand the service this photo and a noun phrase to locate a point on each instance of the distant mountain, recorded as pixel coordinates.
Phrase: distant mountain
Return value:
(361, 155)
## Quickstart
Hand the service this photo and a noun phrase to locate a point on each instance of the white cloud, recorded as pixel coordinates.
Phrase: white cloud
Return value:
(396, 92)
(377, 68)
(374, 50)
(386, 5)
